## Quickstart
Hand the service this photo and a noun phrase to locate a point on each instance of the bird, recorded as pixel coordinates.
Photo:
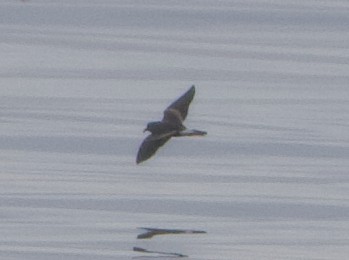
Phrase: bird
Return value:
(171, 125)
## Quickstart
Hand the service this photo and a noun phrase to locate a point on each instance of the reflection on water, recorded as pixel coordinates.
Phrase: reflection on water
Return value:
(151, 232)
(158, 253)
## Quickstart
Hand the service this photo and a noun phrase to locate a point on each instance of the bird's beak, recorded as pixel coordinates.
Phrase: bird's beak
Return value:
(145, 129)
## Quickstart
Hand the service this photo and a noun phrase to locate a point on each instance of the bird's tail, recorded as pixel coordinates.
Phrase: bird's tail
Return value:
(192, 132)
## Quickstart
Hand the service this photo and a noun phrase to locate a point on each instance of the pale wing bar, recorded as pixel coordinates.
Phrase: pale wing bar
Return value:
(178, 110)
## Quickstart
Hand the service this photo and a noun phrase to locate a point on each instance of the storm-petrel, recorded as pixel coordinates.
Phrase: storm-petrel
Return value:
(171, 125)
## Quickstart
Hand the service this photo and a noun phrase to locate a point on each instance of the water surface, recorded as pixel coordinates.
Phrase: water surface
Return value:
(79, 81)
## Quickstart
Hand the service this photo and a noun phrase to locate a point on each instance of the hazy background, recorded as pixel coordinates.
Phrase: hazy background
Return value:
(80, 79)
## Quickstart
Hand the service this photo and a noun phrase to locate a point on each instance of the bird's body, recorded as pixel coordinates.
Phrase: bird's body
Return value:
(160, 127)
(171, 125)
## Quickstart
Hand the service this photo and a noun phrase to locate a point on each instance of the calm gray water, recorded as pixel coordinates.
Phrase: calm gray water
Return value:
(79, 81)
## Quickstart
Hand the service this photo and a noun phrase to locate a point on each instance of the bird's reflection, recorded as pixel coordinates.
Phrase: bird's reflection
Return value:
(159, 254)
(151, 232)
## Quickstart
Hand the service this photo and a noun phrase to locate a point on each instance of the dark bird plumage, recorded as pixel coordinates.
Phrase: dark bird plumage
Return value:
(171, 125)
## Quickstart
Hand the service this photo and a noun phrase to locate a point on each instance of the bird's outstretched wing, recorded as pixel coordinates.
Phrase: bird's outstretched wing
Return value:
(149, 147)
(178, 110)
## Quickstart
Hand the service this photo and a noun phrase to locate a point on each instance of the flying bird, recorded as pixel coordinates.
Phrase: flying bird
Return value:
(171, 125)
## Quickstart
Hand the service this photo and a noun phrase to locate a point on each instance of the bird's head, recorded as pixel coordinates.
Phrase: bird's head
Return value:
(152, 126)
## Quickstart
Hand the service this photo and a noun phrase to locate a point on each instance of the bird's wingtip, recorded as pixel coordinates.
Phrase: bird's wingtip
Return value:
(138, 160)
